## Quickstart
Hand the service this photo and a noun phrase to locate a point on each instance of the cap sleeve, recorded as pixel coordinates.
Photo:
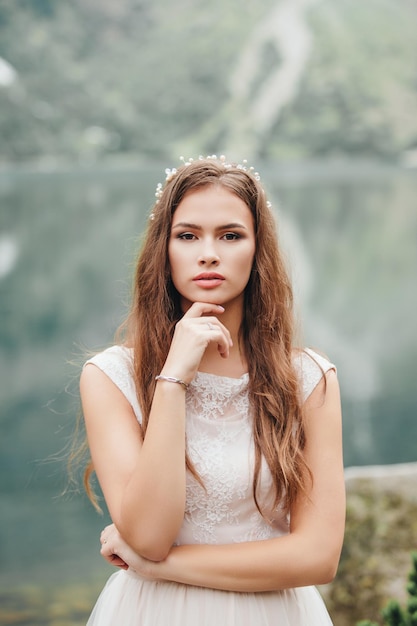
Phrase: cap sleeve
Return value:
(117, 363)
(311, 367)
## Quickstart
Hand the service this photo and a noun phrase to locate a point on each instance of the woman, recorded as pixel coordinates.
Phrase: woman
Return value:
(216, 443)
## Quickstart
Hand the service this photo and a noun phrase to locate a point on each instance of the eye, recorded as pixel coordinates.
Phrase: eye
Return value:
(186, 236)
(231, 236)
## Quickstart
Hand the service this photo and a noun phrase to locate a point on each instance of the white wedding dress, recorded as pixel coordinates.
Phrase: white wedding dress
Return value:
(219, 443)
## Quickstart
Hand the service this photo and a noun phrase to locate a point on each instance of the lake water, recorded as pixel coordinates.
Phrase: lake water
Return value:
(67, 241)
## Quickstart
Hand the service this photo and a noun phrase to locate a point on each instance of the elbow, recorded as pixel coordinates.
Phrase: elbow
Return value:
(326, 573)
(152, 552)
(148, 544)
(325, 569)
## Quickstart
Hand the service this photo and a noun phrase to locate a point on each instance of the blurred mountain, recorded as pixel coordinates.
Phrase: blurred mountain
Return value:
(290, 79)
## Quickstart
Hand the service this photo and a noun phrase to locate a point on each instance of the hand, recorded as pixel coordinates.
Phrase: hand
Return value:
(117, 552)
(193, 334)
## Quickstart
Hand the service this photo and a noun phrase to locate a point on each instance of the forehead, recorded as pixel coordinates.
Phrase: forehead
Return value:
(210, 203)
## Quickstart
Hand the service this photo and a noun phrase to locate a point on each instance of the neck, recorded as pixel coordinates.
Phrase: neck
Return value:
(232, 318)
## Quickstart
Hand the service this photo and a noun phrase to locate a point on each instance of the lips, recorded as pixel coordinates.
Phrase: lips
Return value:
(208, 280)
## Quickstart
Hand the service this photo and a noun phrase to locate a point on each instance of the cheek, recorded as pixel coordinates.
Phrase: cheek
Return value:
(172, 255)
(249, 267)
(175, 260)
(248, 258)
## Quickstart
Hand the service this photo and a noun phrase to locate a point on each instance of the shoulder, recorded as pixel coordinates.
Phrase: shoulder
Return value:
(310, 367)
(116, 363)
(113, 358)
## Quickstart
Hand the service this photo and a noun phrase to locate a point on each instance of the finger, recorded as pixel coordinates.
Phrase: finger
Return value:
(217, 333)
(115, 560)
(198, 312)
(197, 309)
(214, 324)
(105, 550)
(118, 562)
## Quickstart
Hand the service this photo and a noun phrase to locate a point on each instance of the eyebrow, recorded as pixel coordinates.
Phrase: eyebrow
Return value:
(198, 227)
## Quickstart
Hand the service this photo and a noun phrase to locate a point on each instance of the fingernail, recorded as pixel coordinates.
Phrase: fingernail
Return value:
(221, 307)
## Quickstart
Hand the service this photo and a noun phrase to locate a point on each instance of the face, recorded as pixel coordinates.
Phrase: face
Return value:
(211, 247)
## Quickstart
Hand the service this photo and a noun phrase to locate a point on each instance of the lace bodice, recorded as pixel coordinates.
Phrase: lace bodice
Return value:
(219, 444)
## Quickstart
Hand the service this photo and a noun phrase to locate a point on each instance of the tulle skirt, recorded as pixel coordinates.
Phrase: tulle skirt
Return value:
(128, 600)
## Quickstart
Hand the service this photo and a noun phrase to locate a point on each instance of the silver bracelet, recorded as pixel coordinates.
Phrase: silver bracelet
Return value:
(171, 379)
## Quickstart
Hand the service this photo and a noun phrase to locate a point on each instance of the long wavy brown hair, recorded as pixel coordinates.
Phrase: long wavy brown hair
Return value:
(266, 333)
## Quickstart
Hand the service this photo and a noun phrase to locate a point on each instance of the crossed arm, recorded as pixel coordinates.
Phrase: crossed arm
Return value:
(140, 480)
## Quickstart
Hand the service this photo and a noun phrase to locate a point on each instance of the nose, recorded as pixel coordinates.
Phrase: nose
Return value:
(209, 260)
(208, 256)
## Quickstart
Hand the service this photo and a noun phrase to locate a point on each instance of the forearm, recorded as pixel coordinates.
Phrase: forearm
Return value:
(152, 507)
(268, 565)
